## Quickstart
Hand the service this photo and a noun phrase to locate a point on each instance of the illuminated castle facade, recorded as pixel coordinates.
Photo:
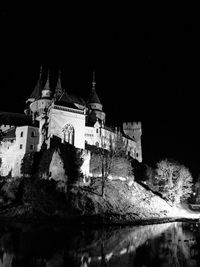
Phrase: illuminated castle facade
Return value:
(68, 117)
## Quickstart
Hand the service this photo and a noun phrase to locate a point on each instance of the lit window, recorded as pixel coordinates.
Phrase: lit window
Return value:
(68, 132)
(21, 134)
(20, 146)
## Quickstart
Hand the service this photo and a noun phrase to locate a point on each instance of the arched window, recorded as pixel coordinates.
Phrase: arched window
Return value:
(68, 133)
(32, 134)
(21, 134)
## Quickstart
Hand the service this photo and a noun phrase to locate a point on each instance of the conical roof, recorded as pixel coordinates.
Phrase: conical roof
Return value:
(58, 90)
(58, 85)
(93, 97)
(47, 84)
(37, 90)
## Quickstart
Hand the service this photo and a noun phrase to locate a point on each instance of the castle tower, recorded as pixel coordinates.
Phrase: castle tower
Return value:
(37, 90)
(41, 104)
(46, 91)
(95, 106)
(134, 131)
(39, 109)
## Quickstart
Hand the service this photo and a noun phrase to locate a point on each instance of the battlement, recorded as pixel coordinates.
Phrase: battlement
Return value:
(132, 125)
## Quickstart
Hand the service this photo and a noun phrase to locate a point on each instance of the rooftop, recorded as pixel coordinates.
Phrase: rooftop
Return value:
(15, 119)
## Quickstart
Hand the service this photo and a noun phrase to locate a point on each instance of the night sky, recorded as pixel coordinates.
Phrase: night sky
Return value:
(146, 62)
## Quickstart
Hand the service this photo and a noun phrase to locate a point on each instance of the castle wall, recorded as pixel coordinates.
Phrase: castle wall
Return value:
(60, 118)
(56, 168)
(11, 158)
(32, 139)
(27, 138)
(13, 151)
(85, 168)
(104, 138)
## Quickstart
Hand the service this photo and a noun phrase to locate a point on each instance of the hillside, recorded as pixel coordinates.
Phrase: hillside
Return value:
(122, 203)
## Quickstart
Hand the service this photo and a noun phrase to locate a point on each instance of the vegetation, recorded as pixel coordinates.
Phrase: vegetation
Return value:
(173, 181)
(113, 162)
(9, 190)
(42, 195)
(27, 164)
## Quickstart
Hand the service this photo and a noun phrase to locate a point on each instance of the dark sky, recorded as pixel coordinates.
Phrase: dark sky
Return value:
(146, 61)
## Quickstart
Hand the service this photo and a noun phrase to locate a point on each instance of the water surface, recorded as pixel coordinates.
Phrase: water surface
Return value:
(170, 244)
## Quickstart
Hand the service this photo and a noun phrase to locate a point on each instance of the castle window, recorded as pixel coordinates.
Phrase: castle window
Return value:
(31, 147)
(97, 130)
(21, 134)
(68, 132)
(20, 146)
(33, 134)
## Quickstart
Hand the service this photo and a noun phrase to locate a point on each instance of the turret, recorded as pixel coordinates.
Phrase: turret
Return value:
(134, 131)
(94, 105)
(41, 105)
(37, 89)
(46, 91)
(39, 109)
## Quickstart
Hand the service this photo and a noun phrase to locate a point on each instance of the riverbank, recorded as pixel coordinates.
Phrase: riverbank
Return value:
(122, 203)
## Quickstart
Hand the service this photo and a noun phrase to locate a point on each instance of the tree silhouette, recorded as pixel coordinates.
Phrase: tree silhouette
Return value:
(27, 164)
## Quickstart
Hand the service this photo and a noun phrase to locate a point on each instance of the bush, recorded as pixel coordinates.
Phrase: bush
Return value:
(27, 164)
(10, 189)
(43, 196)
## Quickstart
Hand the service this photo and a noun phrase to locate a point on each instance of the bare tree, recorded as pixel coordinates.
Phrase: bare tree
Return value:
(173, 181)
(112, 159)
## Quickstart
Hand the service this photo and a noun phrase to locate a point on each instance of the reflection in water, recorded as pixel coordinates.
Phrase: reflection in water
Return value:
(170, 244)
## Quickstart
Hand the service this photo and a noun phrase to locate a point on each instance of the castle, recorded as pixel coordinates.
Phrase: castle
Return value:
(68, 117)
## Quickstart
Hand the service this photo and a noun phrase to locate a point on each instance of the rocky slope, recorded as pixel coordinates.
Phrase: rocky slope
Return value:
(122, 203)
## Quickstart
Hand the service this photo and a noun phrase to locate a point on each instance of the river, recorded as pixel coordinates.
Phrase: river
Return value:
(169, 244)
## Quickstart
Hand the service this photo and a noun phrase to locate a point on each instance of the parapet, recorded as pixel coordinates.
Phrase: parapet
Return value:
(132, 125)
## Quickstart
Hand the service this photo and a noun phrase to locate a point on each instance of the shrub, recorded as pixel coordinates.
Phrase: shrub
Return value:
(43, 195)
(10, 189)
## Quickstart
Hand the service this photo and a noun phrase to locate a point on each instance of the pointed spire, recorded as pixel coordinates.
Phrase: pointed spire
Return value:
(46, 91)
(58, 85)
(37, 90)
(93, 81)
(40, 72)
(47, 85)
(93, 98)
(58, 90)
